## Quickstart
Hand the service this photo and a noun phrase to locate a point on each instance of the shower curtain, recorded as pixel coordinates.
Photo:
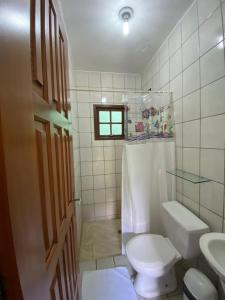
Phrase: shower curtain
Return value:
(145, 185)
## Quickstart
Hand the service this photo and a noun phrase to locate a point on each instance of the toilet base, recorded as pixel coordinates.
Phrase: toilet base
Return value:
(150, 287)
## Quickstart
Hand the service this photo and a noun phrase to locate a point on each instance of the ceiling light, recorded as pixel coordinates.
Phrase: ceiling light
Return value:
(125, 14)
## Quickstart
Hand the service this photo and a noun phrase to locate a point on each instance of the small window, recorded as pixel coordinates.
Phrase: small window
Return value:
(109, 122)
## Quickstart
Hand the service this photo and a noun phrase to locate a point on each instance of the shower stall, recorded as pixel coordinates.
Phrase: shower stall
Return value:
(149, 151)
(149, 116)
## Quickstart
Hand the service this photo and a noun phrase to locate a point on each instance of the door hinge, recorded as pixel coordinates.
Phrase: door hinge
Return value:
(2, 293)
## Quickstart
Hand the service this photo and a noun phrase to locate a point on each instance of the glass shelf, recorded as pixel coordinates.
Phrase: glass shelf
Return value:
(188, 176)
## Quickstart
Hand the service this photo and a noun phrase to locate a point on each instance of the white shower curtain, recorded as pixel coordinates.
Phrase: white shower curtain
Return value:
(145, 185)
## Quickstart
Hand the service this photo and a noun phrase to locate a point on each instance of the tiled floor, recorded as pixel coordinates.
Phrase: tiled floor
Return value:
(116, 261)
(101, 249)
(100, 240)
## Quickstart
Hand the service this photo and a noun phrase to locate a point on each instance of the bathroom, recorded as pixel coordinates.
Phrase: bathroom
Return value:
(189, 63)
(122, 149)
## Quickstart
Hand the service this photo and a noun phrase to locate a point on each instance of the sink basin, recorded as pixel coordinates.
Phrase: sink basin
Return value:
(213, 248)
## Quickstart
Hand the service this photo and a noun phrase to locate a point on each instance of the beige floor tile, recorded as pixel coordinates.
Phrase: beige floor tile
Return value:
(100, 240)
(88, 266)
(105, 263)
(122, 260)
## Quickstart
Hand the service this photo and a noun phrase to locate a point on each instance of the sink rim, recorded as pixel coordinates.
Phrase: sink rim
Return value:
(204, 246)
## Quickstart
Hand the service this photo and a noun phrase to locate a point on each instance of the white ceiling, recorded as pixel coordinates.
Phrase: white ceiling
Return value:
(96, 38)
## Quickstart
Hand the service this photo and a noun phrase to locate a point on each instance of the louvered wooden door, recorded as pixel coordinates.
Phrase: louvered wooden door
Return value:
(38, 255)
(49, 61)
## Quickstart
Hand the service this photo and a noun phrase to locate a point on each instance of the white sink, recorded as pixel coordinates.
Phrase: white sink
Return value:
(213, 248)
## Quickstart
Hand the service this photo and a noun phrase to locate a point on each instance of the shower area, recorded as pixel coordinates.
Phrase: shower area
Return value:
(148, 155)
(148, 150)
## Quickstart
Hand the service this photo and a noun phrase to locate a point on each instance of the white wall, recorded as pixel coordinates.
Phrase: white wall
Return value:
(190, 63)
(97, 163)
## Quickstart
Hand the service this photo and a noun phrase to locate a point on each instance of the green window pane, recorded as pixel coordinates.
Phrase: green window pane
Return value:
(116, 117)
(104, 116)
(117, 129)
(104, 129)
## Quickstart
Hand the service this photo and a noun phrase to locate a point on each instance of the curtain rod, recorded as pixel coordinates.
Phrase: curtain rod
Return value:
(117, 91)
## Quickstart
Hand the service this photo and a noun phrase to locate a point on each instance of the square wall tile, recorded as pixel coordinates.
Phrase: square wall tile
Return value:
(214, 221)
(106, 80)
(211, 196)
(98, 153)
(191, 191)
(212, 65)
(84, 125)
(83, 110)
(99, 196)
(213, 98)
(164, 74)
(164, 53)
(118, 81)
(179, 135)
(87, 197)
(212, 132)
(191, 205)
(100, 210)
(191, 134)
(211, 31)
(190, 50)
(81, 79)
(83, 96)
(189, 23)
(205, 8)
(85, 140)
(111, 195)
(118, 166)
(110, 181)
(175, 40)
(85, 154)
(111, 209)
(87, 183)
(138, 84)
(179, 158)
(191, 160)
(191, 79)
(109, 153)
(176, 87)
(119, 152)
(176, 64)
(86, 169)
(178, 111)
(212, 164)
(94, 79)
(98, 167)
(191, 106)
(110, 167)
(129, 81)
(99, 182)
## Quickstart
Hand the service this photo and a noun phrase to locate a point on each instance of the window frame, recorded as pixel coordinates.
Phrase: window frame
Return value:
(110, 108)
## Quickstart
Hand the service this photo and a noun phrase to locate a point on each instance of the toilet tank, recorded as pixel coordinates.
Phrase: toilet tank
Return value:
(183, 228)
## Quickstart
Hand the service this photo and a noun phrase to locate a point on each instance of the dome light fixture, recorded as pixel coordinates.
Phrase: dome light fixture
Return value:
(125, 14)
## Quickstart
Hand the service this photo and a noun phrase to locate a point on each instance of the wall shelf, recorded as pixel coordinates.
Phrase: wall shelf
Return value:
(188, 176)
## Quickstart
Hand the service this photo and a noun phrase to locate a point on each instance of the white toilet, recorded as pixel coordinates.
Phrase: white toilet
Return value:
(154, 256)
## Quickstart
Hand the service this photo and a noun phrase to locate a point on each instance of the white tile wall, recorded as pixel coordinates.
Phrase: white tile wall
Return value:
(100, 161)
(197, 80)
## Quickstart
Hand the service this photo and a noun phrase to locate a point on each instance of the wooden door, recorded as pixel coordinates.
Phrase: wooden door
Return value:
(38, 255)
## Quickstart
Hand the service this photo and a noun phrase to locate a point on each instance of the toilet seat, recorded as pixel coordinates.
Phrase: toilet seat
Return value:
(151, 253)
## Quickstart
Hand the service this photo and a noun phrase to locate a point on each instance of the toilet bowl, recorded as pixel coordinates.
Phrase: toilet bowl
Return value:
(154, 256)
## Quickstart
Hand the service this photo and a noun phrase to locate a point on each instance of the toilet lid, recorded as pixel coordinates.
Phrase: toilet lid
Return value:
(150, 250)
